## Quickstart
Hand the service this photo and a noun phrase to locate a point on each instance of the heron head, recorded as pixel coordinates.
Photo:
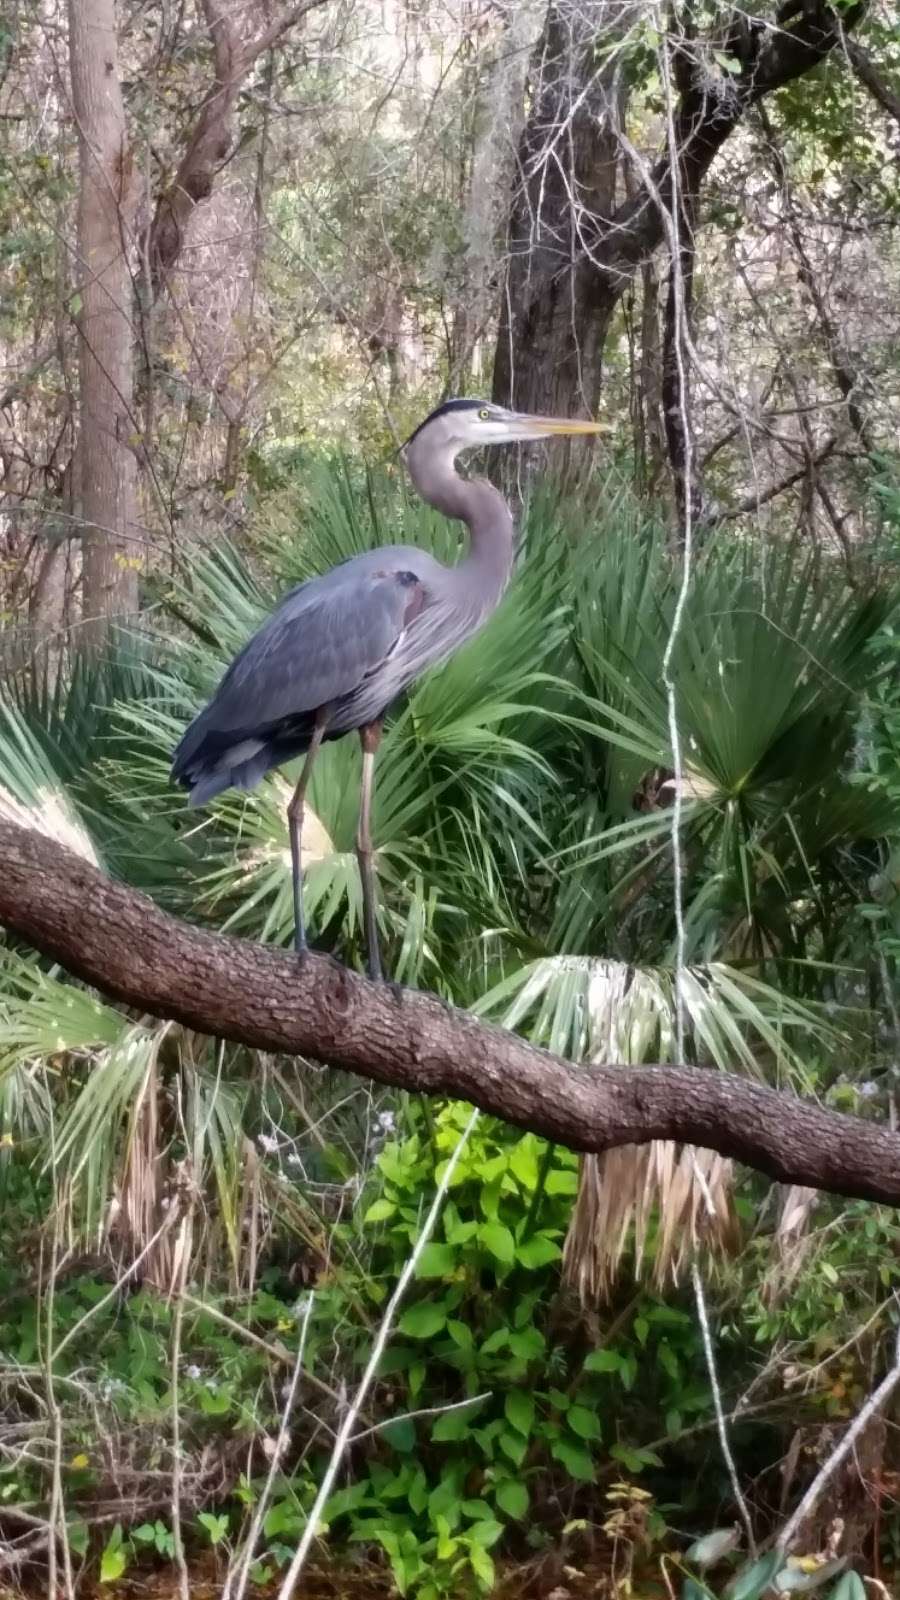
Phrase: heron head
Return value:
(466, 424)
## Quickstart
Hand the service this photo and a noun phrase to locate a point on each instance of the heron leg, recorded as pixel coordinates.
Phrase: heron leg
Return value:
(295, 829)
(370, 738)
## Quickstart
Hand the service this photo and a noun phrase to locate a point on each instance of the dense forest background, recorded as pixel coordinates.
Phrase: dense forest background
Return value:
(245, 248)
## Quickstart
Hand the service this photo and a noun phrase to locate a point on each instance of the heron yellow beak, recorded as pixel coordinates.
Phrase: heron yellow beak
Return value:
(545, 427)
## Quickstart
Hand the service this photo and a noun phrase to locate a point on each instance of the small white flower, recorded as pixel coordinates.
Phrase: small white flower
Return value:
(868, 1090)
(301, 1306)
(192, 1371)
(268, 1143)
(386, 1121)
(295, 1159)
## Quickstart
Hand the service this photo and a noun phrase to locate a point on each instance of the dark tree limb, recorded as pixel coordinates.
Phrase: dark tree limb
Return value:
(868, 74)
(565, 277)
(752, 502)
(212, 135)
(117, 940)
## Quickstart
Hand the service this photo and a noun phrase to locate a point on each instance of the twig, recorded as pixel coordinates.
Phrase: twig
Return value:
(57, 1517)
(721, 1424)
(183, 1244)
(276, 1352)
(429, 1411)
(346, 1430)
(274, 1466)
(874, 1403)
(116, 1290)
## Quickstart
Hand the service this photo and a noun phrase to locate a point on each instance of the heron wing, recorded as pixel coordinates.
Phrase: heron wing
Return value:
(320, 645)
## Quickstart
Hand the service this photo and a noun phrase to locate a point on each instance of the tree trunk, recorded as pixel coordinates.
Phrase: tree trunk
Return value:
(556, 308)
(106, 425)
(572, 249)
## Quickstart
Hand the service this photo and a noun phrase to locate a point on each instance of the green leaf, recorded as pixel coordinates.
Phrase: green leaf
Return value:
(418, 1493)
(380, 1211)
(603, 1361)
(400, 1435)
(214, 1402)
(512, 1497)
(482, 1566)
(537, 1252)
(423, 1321)
(562, 1182)
(216, 1526)
(518, 1408)
(752, 1581)
(455, 1424)
(849, 1587)
(485, 1532)
(528, 1344)
(499, 1241)
(513, 1446)
(462, 1232)
(477, 1510)
(668, 1360)
(583, 1422)
(577, 1462)
(635, 1459)
(523, 1161)
(460, 1333)
(495, 1341)
(436, 1261)
(114, 1559)
(77, 1532)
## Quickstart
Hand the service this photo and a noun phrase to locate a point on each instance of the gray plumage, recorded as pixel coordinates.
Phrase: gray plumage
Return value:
(340, 649)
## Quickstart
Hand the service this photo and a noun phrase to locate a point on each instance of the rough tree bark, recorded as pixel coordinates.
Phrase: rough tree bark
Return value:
(556, 306)
(107, 468)
(108, 430)
(118, 940)
(572, 250)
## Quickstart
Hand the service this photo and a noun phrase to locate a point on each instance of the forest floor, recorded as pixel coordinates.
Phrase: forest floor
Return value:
(535, 1580)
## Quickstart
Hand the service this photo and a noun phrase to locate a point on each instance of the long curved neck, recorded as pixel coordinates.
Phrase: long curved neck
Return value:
(480, 506)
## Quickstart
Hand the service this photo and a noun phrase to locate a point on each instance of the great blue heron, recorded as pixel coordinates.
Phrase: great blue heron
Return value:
(339, 649)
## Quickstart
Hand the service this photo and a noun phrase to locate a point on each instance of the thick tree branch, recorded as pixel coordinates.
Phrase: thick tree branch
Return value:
(212, 134)
(707, 115)
(868, 74)
(572, 250)
(119, 941)
(752, 502)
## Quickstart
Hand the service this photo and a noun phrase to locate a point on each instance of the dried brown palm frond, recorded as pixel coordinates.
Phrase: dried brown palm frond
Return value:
(792, 1243)
(685, 1192)
(658, 1202)
(622, 1193)
(135, 1217)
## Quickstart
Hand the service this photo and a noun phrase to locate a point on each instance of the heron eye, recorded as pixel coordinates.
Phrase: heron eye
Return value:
(484, 414)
